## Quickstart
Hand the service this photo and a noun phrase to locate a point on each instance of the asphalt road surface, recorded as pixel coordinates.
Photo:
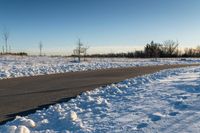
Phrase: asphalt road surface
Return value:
(22, 96)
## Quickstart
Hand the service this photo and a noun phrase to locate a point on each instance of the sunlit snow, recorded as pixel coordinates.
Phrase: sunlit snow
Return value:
(167, 101)
(16, 66)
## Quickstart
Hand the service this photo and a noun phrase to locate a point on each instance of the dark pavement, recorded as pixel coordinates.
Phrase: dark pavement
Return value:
(22, 96)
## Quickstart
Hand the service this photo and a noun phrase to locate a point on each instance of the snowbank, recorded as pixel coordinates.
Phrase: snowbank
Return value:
(167, 101)
(15, 66)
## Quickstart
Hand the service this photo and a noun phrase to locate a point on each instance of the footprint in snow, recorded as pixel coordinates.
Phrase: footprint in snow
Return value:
(142, 125)
(155, 116)
(180, 105)
(173, 113)
(182, 97)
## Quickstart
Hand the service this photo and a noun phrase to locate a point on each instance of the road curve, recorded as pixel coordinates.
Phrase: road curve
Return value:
(22, 96)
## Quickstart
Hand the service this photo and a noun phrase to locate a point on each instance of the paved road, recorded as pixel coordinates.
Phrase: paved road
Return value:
(22, 96)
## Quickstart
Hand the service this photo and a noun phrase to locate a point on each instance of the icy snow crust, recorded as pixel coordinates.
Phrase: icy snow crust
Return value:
(167, 101)
(13, 66)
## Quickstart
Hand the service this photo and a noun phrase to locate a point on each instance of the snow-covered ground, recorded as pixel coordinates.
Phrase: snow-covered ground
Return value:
(15, 66)
(167, 101)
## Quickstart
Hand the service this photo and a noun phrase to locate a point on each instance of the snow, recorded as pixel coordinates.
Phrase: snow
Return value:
(19, 129)
(73, 116)
(166, 101)
(16, 66)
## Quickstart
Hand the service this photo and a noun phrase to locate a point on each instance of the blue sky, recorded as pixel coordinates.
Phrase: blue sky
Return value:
(104, 25)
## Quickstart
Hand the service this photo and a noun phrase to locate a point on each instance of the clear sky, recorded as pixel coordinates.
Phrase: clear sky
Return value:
(101, 24)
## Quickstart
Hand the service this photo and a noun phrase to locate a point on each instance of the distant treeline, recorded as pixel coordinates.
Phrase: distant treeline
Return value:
(20, 54)
(167, 49)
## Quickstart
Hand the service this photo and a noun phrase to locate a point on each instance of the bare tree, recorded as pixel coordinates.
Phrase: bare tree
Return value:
(80, 50)
(3, 50)
(5, 38)
(190, 52)
(85, 53)
(198, 50)
(170, 48)
(40, 47)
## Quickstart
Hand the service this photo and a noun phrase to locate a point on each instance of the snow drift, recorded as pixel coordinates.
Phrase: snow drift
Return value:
(167, 101)
(16, 66)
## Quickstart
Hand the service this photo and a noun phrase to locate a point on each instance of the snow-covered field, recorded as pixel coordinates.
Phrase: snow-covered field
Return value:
(15, 66)
(167, 101)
